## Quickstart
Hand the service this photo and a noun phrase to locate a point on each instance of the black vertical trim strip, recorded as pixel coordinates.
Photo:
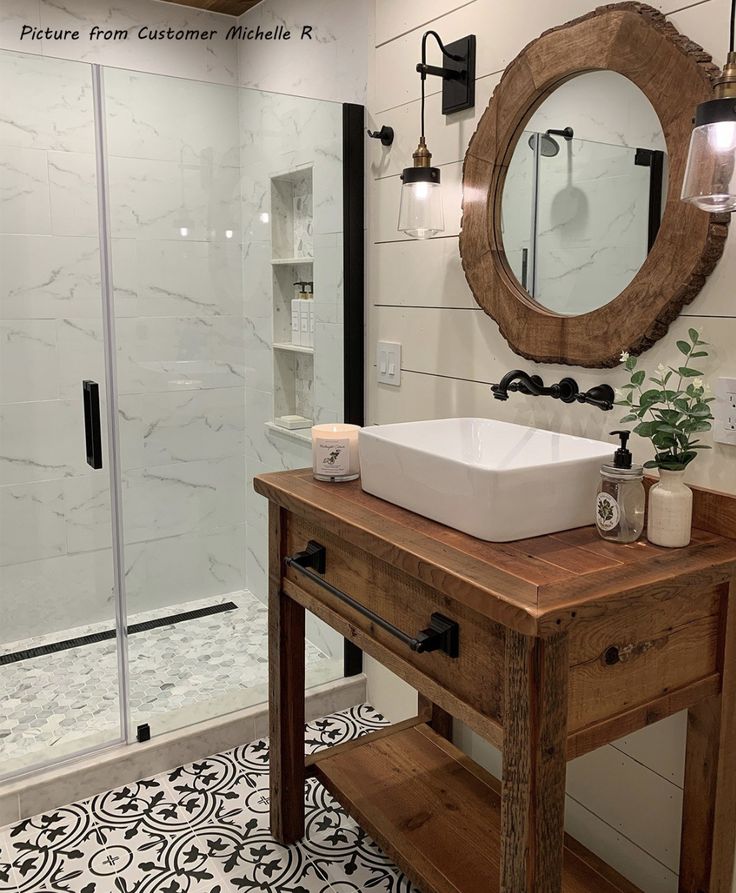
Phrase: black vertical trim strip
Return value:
(353, 165)
(656, 186)
(353, 204)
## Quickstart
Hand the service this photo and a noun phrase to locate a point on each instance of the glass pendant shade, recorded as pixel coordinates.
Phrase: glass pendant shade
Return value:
(420, 212)
(710, 175)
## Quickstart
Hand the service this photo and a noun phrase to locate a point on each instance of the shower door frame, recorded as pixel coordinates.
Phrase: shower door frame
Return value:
(353, 116)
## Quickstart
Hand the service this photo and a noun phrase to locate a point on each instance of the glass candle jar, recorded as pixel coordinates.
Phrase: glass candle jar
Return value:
(335, 452)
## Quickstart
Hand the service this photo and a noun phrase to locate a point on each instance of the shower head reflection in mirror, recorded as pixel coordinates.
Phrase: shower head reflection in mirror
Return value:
(580, 210)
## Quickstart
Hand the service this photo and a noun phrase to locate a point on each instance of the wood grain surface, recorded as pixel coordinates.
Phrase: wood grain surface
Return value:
(537, 587)
(438, 815)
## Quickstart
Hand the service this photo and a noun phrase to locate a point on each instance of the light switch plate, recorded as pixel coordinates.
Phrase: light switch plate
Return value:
(388, 363)
(724, 411)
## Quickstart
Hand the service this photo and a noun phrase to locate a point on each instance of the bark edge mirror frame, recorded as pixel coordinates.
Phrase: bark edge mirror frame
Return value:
(675, 74)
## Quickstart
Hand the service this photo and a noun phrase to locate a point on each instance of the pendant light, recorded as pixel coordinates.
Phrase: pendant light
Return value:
(710, 175)
(421, 214)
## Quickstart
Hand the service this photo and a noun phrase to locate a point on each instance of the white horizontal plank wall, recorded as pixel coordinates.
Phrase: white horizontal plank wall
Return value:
(624, 801)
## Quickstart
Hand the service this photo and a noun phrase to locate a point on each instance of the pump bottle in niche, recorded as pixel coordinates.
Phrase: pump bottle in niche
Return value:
(299, 315)
(620, 501)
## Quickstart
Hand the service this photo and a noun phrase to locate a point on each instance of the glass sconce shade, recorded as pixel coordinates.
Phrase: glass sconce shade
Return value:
(710, 175)
(420, 212)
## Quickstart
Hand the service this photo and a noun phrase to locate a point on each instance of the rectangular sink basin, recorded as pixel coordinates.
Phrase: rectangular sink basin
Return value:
(494, 480)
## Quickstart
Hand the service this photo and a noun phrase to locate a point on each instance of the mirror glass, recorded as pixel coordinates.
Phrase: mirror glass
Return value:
(584, 193)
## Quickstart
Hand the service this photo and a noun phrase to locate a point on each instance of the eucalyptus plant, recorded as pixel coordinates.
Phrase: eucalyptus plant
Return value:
(673, 410)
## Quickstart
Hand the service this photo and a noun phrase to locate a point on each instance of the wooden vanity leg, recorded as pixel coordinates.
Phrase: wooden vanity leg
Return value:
(437, 718)
(534, 764)
(286, 694)
(709, 796)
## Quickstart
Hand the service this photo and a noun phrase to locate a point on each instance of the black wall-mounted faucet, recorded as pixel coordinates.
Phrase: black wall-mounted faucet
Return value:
(566, 390)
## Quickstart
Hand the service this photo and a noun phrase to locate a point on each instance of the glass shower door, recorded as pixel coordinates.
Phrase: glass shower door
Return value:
(58, 648)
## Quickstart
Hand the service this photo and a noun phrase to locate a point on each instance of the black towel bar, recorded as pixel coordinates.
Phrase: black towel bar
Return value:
(442, 634)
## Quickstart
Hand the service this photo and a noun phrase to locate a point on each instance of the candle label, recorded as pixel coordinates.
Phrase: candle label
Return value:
(332, 457)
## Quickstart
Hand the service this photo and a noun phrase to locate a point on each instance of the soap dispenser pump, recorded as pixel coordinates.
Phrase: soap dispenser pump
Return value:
(620, 501)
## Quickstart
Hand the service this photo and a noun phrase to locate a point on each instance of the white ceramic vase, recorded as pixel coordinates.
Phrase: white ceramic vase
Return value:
(670, 515)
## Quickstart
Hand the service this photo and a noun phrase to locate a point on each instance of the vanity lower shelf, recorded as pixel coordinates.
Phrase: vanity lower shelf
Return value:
(437, 813)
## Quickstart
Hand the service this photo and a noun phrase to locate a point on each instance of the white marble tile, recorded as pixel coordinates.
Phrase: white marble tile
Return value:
(13, 15)
(167, 500)
(31, 522)
(160, 429)
(171, 119)
(209, 60)
(328, 372)
(47, 103)
(28, 360)
(87, 512)
(328, 278)
(81, 354)
(333, 65)
(190, 566)
(24, 191)
(171, 353)
(164, 200)
(73, 194)
(183, 278)
(41, 440)
(43, 589)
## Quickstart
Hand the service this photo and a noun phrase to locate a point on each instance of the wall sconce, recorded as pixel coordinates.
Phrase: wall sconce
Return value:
(710, 175)
(420, 212)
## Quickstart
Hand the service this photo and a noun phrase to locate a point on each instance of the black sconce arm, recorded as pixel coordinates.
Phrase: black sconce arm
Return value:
(447, 74)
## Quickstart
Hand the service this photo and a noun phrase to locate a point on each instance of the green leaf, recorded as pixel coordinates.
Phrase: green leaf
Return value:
(652, 463)
(694, 335)
(650, 397)
(699, 353)
(627, 387)
(629, 418)
(638, 377)
(684, 347)
(631, 363)
(688, 373)
(645, 429)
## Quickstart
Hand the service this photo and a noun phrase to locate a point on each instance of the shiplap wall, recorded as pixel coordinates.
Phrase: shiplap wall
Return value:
(624, 801)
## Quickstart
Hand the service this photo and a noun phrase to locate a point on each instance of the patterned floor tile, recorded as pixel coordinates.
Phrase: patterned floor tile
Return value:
(150, 842)
(59, 852)
(204, 828)
(7, 874)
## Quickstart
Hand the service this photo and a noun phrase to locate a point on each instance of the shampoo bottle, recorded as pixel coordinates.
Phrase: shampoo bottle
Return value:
(296, 314)
(619, 504)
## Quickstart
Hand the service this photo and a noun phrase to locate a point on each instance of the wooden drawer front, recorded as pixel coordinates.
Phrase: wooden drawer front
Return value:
(475, 677)
(632, 657)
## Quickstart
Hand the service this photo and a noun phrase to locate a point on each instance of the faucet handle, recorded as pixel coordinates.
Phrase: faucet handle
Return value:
(601, 395)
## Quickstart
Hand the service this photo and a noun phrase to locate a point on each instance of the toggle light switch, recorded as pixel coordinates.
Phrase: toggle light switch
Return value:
(388, 362)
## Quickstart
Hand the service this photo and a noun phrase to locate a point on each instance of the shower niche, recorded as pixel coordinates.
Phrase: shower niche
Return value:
(292, 246)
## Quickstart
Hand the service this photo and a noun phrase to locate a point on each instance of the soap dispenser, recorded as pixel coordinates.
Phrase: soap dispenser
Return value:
(619, 504)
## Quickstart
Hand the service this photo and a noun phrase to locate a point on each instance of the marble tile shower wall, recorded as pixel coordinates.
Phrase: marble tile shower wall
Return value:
(175, 223)
(280, 133)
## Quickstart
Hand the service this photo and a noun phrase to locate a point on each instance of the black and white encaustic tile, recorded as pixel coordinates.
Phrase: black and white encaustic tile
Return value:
(202, 828)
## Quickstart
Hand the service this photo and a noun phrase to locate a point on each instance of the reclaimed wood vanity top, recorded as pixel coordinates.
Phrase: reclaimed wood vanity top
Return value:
(535, 586)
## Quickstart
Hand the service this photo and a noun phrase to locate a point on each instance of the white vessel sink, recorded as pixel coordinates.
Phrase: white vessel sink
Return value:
(493, 480)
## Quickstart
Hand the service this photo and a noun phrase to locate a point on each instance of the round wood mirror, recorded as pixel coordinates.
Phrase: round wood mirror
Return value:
(574, 238)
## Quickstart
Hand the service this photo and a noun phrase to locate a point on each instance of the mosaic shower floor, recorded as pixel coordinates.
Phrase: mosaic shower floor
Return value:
(179, 674)
(202, 828)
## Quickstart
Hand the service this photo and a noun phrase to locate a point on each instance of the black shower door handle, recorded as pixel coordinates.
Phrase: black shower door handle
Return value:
(92, 434)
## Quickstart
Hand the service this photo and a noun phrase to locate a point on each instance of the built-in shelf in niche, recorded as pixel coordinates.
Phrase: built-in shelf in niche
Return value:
(293, 261)
(302, 435)
(295, 348)
(292, 248)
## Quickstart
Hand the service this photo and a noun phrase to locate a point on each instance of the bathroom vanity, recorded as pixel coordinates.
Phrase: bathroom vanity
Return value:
(548, 648)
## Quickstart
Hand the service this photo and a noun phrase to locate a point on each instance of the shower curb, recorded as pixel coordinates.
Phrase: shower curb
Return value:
(77, 780)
